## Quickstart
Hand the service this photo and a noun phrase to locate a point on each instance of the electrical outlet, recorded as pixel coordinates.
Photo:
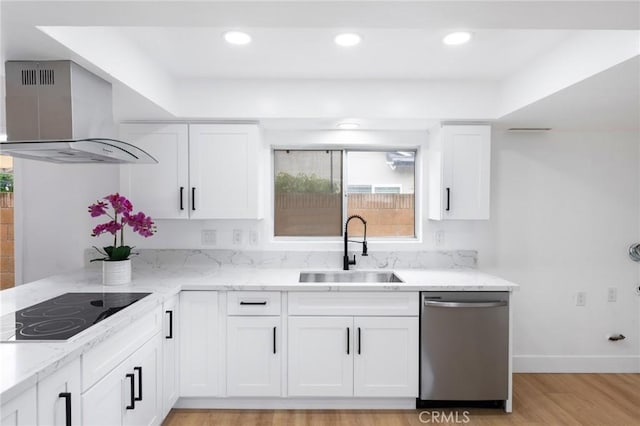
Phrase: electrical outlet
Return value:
(581, 298)
(439, 238)
(612, 294)
(253, 237)
(237, 237)
(209, 237)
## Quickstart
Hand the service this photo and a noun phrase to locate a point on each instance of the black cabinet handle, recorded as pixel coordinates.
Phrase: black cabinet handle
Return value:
(274, 340)
(348, 340)
(193, 198)
(182, 198)
(170, 336)
(448, 199)
(67, 397)
(139, 370)
(253, 303)
(359, 341)
(133, 401)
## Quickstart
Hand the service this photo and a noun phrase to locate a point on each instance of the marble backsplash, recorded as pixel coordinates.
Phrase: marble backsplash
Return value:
(157, 258)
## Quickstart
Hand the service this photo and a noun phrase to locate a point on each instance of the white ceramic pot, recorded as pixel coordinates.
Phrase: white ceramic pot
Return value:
(116, 272)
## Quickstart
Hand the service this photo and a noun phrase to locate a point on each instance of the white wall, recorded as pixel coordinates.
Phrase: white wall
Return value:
(52, 221)
(565, 207)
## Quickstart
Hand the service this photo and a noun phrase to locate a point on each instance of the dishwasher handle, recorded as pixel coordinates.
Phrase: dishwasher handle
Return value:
(490, 304)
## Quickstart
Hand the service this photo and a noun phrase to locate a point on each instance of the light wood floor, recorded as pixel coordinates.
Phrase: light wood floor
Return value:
(538, 399)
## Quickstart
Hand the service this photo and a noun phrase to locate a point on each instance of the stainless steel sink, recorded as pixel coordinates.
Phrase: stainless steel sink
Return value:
(349, 277)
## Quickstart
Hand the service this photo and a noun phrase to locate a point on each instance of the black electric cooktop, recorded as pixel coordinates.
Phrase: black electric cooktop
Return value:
(65, 316)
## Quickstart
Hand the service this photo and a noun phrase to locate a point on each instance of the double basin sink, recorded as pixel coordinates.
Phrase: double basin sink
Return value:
(349, 277)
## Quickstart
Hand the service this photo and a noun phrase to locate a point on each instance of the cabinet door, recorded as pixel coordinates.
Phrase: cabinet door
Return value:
(53, 392)
(104, 404)
(170, 347)
(386, 357)
(21, 410)
(160, 190)
(253, 356)
(320, 356)
(199, 343)
(459, 172)
(224, 171)
(466, 173)
(145, 364)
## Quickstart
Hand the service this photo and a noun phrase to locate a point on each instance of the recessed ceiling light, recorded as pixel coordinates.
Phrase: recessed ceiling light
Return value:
(237, 37)
(348, 125)
(347, 39)
(453, 39)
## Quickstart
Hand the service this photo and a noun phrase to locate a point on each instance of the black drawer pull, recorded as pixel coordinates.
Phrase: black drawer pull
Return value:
(253, 303)
(193, 198)
(132, 406)
(182, 198)
(359, 341)
(274, 340)
(348, 340)
(170, 336)
(448, 199)
(139, 370)
(67, 404)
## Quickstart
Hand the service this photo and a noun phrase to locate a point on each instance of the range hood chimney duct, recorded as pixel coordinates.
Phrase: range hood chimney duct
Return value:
(59, 112)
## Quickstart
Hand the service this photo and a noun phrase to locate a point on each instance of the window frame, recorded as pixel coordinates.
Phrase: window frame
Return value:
(418, 174)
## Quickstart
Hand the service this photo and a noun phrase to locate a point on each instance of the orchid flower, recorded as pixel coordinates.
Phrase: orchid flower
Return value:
(121, 217)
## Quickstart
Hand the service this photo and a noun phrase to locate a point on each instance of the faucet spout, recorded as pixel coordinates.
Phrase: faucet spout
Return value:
(345, 259)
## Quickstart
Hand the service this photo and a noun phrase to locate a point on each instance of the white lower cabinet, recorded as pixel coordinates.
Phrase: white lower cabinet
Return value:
(254, 356)
(353, 356)
(21, 410)
(386, 356)
(320, 356)
(170, 349)
(130, 394)
(200, 344)
(59, 396)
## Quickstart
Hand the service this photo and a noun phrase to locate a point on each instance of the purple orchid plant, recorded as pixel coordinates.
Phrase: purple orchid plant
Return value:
(120, 218)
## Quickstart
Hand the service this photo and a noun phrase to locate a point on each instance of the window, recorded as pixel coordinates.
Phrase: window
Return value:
(308, 193)
(309, 190)
(389, 206)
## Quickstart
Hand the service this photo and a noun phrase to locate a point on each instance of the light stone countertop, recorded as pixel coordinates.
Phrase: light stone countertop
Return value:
(21, 366)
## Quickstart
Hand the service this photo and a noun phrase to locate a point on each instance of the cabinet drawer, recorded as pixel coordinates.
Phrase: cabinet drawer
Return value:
(253, 303)
(108, 354)
(354, 303)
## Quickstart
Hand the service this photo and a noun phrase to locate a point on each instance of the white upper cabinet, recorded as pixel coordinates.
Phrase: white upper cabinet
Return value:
(204, 171)
(459, 172)
(160, 190)
(224, 162)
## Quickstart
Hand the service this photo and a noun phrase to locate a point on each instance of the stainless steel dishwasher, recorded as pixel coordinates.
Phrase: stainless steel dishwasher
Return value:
(464, 346)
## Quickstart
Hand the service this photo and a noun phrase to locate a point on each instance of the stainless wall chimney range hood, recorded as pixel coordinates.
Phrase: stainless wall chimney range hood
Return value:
(59, 112)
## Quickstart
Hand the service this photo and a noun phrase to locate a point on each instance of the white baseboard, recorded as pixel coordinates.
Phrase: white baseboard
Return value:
(576, 364)
(299, 403)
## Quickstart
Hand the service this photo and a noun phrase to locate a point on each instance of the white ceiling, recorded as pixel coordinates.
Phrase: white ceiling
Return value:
(167, 59)
(311, 53)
